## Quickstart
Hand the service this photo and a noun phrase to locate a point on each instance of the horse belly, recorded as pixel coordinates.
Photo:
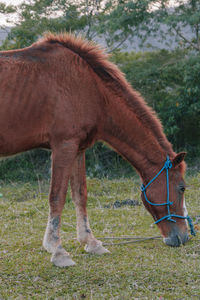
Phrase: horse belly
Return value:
(24, 119)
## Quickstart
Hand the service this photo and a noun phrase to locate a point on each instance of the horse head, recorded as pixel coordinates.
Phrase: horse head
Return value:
(163, 196)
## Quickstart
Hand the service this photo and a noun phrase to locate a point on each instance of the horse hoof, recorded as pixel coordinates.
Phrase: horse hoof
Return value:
(99, 249)
(61, 258)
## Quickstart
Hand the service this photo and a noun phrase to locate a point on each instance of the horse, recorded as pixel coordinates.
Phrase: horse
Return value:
(62, 93)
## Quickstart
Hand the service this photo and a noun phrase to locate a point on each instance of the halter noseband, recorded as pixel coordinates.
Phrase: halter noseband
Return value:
(166, 167)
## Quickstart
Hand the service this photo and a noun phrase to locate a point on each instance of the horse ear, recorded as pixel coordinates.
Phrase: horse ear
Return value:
(178, 158)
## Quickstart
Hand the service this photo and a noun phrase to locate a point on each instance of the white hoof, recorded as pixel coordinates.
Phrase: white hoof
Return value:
(98, 249)
(61, 258)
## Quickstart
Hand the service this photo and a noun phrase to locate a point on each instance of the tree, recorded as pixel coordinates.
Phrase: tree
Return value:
(182, 21)
(6, 9)
(124, 20)
(146, 18)
(39, 16)
(115, 21)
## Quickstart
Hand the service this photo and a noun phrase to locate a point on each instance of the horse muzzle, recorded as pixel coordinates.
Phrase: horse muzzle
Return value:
(176, 238)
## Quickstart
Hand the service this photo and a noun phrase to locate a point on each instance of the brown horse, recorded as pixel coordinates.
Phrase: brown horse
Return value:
(63, 94)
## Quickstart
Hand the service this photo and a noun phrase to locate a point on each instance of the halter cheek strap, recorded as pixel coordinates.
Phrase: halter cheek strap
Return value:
(166, 167)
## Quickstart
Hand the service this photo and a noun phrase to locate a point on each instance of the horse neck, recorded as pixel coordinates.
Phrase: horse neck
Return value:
(134, 132)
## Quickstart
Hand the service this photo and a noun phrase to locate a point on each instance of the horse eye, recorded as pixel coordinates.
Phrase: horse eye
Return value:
(182, 189)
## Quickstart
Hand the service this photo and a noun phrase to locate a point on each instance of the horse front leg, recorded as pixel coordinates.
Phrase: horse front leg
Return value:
(62, 161)
(79, 197)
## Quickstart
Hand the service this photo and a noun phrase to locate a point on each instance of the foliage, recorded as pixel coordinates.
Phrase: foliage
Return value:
(35, 165)
(145, 18)
(6, 9)
(144, 270)
(39, 16)
(102, 161)
(115, 21)
(29, 166)
(182, 18)
(124, 21)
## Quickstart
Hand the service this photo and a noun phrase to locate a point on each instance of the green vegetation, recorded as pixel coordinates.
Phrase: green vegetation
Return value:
(29, 166)
(117, 21)
(144, 270)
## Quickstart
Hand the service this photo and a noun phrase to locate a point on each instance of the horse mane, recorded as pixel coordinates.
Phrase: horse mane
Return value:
(97, 59)
(92, 53)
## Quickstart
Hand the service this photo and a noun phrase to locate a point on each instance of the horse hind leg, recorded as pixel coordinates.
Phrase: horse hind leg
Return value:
(79, 197)
(62, 161)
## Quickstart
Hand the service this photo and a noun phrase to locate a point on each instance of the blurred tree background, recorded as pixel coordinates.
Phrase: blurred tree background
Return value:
(169, 80)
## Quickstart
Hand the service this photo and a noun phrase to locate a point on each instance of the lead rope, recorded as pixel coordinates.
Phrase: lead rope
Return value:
(192, 230)
(166, 167)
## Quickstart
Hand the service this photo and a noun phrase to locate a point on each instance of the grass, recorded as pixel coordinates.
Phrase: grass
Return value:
(144, 270)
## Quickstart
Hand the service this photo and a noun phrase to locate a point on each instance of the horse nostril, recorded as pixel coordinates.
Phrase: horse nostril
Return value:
(175, 240)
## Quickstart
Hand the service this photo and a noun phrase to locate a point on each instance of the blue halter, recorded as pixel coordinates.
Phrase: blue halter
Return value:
(167, 166)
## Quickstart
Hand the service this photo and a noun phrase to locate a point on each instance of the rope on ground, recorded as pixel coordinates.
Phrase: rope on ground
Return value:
(128, 237)
(131, 240)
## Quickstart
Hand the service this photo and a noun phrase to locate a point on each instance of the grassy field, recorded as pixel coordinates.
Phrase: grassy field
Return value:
(143, 270)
